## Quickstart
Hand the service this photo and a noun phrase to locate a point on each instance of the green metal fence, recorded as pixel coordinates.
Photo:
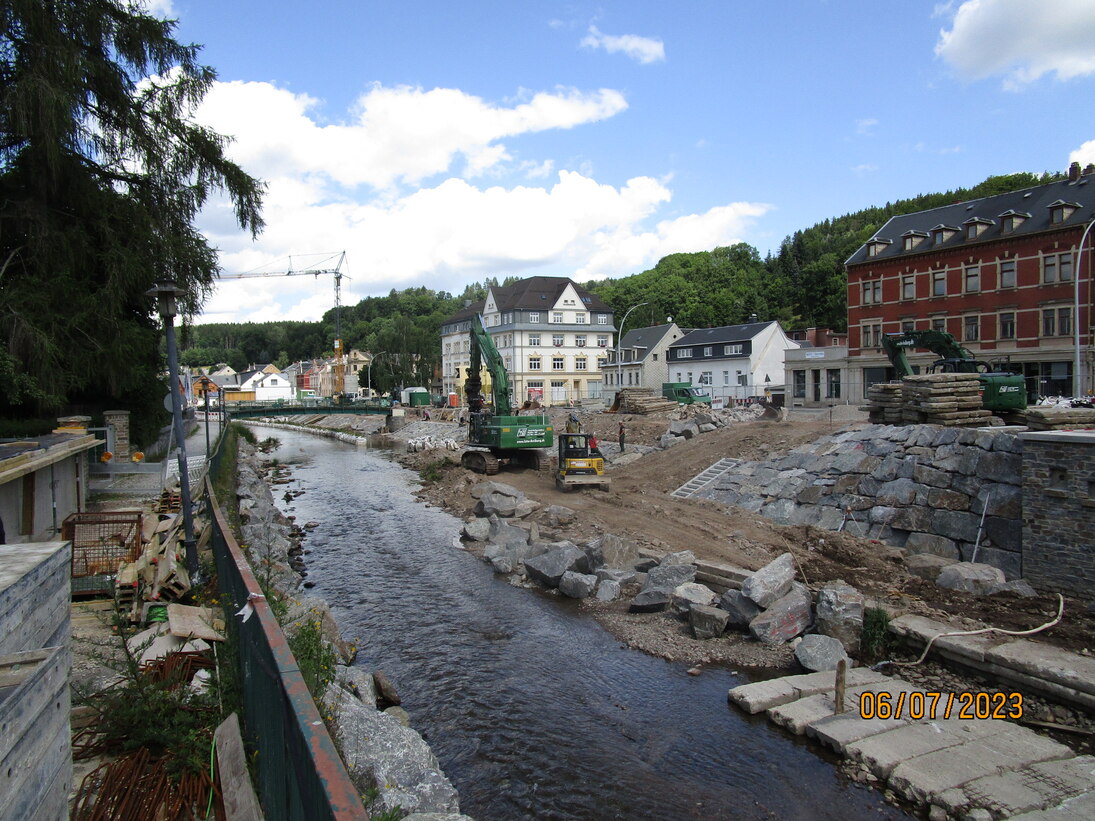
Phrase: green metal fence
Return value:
(298, 772)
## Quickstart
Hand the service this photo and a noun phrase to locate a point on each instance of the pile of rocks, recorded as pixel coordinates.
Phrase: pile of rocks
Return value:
(884, 403)
(423, 443)
(692, 420)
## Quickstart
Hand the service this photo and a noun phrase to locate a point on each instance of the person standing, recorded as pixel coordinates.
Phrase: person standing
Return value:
(622, 436)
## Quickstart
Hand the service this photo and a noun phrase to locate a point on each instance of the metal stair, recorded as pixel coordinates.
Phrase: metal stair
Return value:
(692, 486)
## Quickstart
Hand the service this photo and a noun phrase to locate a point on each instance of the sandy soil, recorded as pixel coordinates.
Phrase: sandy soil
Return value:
(638, 507)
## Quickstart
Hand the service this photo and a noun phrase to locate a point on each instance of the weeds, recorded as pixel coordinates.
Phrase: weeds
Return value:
(433, 471)
(875, 641)
(316, 659)
(269, 444)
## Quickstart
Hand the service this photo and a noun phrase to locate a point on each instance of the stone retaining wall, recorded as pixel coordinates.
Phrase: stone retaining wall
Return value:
(1059, 510)
(926, 488)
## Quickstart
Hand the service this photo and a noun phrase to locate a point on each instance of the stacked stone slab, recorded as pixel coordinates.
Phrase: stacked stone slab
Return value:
(922, 487)
(1059, 418)
(942, 399)
(884, 400)
(641, 401)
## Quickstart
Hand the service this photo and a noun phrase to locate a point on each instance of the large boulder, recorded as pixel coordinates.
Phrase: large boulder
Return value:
(771, 582)
(707, 622)
(786, 618)
(659, 585)
(617, 575)
(481, 489)
(577, 585)
(608, 590)
(558, 515)
(478, 530)
(548, 568)
(686, 596)
(496, 504)
(506, 534)
(617, 551)
(840, 615)
(680, 557)
(971, 577)
(816, 652)
(740, 610)
(927, 566)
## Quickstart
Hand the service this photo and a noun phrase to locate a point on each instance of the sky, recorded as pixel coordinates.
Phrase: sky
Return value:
(439, 143)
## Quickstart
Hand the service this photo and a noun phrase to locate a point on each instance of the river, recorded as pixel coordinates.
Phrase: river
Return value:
(533, 710)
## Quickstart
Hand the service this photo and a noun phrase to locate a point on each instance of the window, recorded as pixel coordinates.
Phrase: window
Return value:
(1064, 321)
(602, 341)
(1007, 325)
(533, 316)
(872, 293)
(1007, 273)
(939, 283)
(726, 377)
(973, 278)
(939, 323)
(557, 317)
(507, 318)
(1049, 322)
(602, 319)
(534, 340)
(707, 350)
(908, 325)
(971, 328)
(557, 340)
(684, 353)
(872, 336)
(743, 378)
(580, 340)
(798, 384)
(580, 364)
(534, 363)
(558, 363)
(1057, 268)
(832, 383)
(908, 287)
(706, 378)
(732, 350)
(580, 318)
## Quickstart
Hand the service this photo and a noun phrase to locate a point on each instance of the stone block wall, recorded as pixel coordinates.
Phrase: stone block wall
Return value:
(1059, 511)
(925, 488)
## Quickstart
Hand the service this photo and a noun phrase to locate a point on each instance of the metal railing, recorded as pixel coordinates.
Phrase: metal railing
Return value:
(299, 775)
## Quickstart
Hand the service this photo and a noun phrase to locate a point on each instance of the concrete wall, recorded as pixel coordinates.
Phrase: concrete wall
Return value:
(1059, 511)
(35, 661)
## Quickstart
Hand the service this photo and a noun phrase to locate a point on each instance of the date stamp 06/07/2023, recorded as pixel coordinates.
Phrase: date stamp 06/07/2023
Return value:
(935, 704)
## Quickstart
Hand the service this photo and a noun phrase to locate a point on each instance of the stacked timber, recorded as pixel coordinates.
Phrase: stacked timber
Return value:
(159, 574)
(642, 401)
(943, 399)
(884, 403)
(1059, 418)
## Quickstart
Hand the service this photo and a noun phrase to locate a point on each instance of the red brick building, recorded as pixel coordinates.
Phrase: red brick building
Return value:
(1000, 274)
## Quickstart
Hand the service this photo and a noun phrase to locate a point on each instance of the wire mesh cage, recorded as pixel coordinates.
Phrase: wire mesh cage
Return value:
(101, 542)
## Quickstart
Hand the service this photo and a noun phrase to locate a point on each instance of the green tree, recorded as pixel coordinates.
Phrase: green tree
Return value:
(102, 172)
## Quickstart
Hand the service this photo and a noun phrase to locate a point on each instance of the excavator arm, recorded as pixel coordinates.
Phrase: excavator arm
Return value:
(941, 343)
(483, 352)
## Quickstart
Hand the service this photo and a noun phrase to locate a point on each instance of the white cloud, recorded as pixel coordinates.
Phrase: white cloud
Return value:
(864, 168)
(866, 126)
(1084, 154)
(641, 49)
(159, 8)
(397, 135)
(444, 232)
(1021, 40)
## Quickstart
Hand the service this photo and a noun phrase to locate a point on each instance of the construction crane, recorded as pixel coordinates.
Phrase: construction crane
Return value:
(339, 386)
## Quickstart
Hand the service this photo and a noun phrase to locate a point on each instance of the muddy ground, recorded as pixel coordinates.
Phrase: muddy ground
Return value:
(638, 506)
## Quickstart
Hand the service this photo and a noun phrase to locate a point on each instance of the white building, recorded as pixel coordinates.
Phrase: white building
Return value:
(642, 359)
(552, 334)
(733, 362)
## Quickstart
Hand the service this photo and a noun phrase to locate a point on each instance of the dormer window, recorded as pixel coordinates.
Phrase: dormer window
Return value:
(1011, 219)
(976, 226)
(877, 245)
(1060, 211)
(911, 239)
(941, 233)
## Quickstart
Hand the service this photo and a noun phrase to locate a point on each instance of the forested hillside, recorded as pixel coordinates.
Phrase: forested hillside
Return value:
(803, 285)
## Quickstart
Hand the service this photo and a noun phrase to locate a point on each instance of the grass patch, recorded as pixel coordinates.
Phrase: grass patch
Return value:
(875, 642)
(316, 659)
(434, 471)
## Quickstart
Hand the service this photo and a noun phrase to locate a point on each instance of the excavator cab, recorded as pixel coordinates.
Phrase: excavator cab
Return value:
(580, 462)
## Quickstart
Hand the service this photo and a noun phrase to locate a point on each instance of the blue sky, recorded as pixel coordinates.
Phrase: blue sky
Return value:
(438, 143)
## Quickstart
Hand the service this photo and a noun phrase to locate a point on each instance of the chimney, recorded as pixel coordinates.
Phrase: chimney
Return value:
(1089, 168)
(752, 317)
(1074, 172)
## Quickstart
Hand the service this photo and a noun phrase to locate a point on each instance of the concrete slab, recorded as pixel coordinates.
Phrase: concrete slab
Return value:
(881, 753)
(1080, 808)
(798, 716)
(763, 695)
(1047, 662)
(1036, 787)
(838, 731)
(924, 776)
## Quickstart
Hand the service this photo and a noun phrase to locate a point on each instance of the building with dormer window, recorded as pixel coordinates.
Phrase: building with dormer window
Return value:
(553, 336)
(1003, 275)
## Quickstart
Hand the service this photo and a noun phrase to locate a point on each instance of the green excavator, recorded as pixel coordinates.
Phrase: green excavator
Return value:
(1000, 390)
(497, 436)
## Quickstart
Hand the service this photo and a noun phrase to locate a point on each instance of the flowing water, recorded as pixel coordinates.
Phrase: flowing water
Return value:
(533, 710)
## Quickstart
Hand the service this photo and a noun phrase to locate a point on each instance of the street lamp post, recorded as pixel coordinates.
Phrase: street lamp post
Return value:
(1078, 378)
(619, 346)
(166, 294)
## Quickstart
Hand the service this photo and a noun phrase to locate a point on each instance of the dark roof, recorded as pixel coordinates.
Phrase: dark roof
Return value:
(542, 293)
(725, 334)
(645, 338)
(1036, 201)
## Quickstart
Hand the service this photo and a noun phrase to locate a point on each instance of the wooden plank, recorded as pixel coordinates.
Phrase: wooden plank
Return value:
(192, 622)
(240, 802)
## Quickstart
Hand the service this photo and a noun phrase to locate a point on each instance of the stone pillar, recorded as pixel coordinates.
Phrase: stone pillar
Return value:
(119, 420)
